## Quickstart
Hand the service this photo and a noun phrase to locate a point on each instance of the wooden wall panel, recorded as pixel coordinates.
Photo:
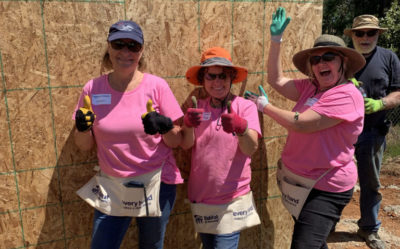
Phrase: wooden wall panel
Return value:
(50, 49)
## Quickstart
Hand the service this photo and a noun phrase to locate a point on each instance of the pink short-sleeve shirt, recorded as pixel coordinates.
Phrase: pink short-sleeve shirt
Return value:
(123, 148)
(311, 154)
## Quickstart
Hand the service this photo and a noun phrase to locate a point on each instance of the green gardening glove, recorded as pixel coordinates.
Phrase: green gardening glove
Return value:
(279, 22)
(373, 105)
(355, 82)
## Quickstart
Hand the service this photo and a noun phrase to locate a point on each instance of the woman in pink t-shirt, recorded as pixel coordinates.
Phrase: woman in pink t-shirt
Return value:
(222, 131)
(128, 115)
(322, 128)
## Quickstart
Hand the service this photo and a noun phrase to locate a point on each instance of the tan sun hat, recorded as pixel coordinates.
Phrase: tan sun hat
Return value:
(354, 63)
(364, 22)
(215, 56)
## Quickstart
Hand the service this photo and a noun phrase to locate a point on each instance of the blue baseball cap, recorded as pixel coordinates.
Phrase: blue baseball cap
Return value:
(125, 30)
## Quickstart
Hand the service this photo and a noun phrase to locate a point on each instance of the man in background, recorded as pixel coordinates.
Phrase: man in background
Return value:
(381, 83)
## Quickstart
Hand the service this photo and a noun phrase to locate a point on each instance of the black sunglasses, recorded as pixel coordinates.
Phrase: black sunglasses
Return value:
(328, 56)
(132, 46)
(212, 76)
(369, 33)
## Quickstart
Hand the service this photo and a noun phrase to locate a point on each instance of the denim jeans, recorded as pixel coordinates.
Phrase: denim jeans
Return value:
(369, 152)
(321, 211)
(108, 231)
(220, 241)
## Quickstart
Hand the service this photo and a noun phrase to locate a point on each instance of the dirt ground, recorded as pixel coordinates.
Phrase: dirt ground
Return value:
(345, 235)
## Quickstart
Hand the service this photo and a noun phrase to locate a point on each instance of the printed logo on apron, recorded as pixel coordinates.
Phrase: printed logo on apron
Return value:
(235, 216)
(134, 196)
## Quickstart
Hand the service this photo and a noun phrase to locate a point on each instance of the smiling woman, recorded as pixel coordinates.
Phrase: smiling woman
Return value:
(133, 144)
(222, 132)
(322, 129)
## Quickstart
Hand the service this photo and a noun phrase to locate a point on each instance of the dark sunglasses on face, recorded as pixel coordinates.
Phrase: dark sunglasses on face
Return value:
(328, 56)
(212, 76)
(369, 33)
(132, 46)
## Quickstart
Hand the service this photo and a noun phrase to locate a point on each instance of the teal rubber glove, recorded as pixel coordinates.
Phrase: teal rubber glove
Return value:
(279, 22)
(373, 105)
(260, 100)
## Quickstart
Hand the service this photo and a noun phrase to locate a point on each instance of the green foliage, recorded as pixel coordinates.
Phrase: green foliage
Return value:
(339, 14)
(391, 38)
(392, 143)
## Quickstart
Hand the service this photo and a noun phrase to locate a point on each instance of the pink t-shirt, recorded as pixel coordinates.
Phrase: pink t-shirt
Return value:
(311, 154)
(219, 170)
(123, 148)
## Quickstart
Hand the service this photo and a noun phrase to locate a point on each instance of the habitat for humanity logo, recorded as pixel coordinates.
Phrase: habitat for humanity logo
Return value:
(102, 197)
(125, 27)
(137, 204)
(205, 219)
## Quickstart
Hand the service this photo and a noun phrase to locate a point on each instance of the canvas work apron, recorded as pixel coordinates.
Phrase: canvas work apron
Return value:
(237, 215)
(294, 188)
(133, 196)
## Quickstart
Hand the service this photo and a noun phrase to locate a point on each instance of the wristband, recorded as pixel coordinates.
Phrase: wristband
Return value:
(276, 38)
(296, 116)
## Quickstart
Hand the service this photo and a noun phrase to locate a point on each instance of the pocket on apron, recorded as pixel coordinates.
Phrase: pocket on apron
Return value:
(294, 188)
(227, 218)
(133, 196)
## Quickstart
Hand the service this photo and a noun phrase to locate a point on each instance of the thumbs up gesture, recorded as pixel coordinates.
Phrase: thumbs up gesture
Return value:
(154, 122)
(193, 115)
(84, 117)
(232, 123)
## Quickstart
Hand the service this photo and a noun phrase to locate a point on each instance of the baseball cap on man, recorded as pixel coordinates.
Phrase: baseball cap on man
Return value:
(215, 56)
(125, 30)
(364, 22)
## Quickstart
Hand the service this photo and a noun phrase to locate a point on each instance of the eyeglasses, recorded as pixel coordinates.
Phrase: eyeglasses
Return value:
(328, 56)
(369, 33)
(132, 46)
(212, 76)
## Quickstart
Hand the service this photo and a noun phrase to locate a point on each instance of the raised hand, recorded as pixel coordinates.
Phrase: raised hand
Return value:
(260, 100)
(193, 115)
(232, 123)
(84, 116)
(279, 22)
(154, 122)
(373, 105)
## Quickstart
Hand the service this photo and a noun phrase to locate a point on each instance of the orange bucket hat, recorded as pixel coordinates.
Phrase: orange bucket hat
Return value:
(215, 56)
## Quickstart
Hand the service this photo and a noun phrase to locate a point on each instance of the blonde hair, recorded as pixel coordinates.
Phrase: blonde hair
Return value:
(346, 73)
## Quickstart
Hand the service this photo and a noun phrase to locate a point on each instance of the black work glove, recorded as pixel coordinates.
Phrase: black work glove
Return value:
(84, 116)
(154, 122)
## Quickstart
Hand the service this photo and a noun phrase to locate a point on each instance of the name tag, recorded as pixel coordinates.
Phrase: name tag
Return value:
(101, 99)
(311, 101)
(206, 116)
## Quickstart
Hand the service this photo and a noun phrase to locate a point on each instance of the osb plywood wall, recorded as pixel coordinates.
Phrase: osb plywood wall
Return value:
(49, 49)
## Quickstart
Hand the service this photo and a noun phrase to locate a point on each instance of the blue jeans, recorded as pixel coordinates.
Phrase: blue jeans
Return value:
(321, 211)
(369, 152)
(220, 241)
(108, 231)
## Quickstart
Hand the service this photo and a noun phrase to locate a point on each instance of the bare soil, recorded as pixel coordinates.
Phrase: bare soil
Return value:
(345, 235)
